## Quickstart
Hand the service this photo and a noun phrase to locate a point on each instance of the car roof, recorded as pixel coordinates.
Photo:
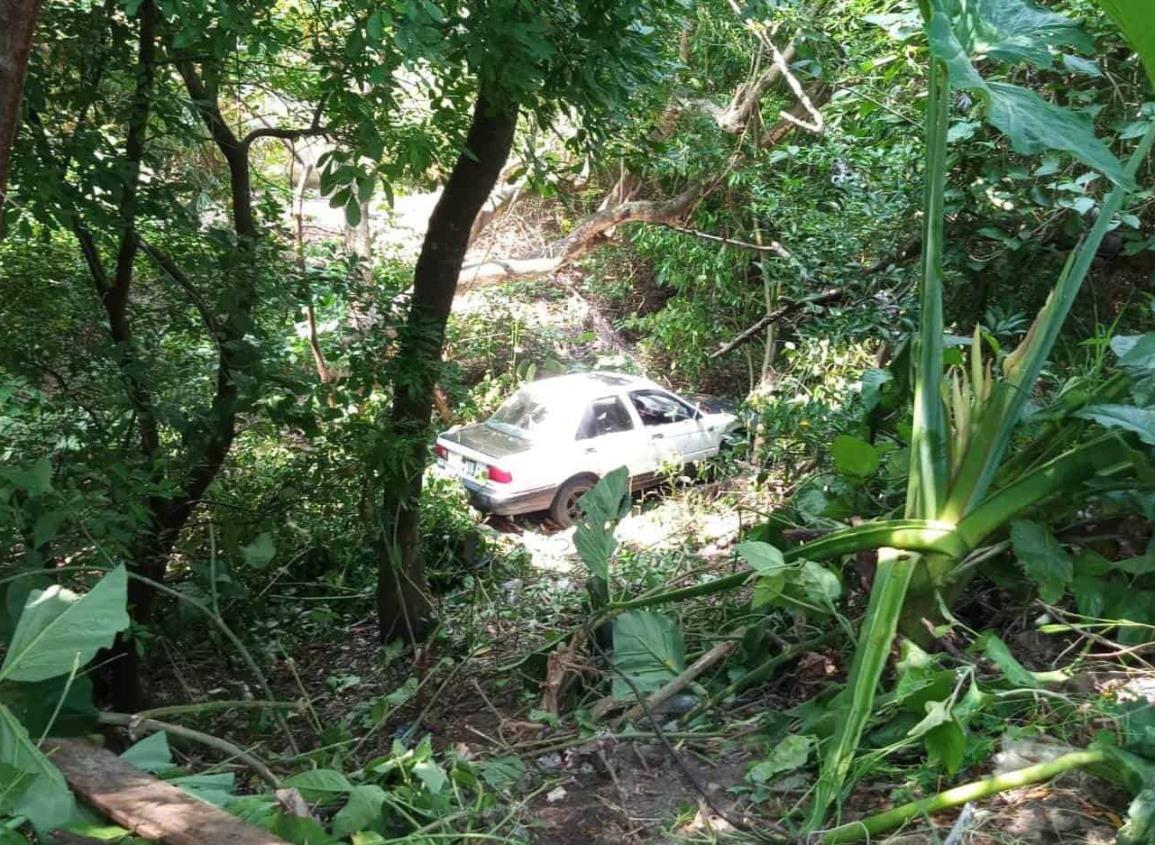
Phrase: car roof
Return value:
(581, 387)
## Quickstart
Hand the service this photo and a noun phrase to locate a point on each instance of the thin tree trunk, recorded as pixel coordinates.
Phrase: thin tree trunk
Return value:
(403, 605)
(17, 25)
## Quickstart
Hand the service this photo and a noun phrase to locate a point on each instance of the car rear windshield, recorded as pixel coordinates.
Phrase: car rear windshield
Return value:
(521, 415)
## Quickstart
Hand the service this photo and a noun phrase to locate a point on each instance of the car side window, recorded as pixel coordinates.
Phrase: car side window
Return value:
(604, 416)
(660, 408)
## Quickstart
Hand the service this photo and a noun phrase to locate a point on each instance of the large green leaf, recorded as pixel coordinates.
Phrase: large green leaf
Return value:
(1034, 126)
(1017, 31)
(1045, 561)
(42, 795)
(361, 812)
(648, 649)
(1137, 20)
(608, 499)
(1141, 421)
(59, 629)
(853, 456)
(595, 545)
(1014, 30)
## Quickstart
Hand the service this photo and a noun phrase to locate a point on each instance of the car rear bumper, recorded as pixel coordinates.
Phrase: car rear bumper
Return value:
(507, 503)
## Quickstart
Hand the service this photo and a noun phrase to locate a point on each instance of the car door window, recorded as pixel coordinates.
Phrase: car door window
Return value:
(604, 416)
(655, 408)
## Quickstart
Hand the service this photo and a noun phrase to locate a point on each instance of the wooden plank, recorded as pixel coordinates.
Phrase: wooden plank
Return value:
(146, 805)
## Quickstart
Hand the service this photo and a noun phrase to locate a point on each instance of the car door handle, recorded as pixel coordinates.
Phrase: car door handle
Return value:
(657, 436)
(590, 450)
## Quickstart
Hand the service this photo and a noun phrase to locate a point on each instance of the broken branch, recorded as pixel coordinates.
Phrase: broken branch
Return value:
(828, 295)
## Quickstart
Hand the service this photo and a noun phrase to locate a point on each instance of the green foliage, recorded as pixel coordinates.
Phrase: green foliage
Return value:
(1043, 559)
(648, 650)
(60, 631)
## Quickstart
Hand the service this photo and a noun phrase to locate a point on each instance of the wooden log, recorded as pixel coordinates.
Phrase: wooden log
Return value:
(146, 805)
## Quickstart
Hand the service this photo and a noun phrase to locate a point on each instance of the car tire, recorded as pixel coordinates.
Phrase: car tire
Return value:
(564, 510)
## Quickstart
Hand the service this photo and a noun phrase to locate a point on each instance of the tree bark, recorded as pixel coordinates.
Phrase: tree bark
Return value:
(403, 606)
(17, 25)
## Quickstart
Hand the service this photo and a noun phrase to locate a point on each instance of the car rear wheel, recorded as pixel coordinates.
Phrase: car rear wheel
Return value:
(565, 511)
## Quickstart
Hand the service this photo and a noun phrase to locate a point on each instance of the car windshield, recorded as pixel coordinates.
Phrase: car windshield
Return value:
(521, 415)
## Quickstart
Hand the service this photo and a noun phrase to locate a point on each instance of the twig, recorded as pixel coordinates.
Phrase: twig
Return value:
(210, 706)
(135, 724)
(660, 696)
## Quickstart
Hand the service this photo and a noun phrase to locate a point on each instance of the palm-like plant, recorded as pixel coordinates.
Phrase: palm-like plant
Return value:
(961, 489)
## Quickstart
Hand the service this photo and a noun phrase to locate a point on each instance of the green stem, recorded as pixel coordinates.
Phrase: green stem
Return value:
(878, 628)
(883, 822)
(929, 465)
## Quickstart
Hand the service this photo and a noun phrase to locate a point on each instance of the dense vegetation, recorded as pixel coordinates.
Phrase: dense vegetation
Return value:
(911, 241)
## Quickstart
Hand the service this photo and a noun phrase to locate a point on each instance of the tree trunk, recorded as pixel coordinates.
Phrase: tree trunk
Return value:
(403, 605)
(17, 24)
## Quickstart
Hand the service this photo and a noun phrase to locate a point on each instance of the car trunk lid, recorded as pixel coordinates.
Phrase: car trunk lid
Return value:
(487, 440)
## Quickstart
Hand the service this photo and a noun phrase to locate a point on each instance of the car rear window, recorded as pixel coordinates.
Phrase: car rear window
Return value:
(520, 414)
(604, 416)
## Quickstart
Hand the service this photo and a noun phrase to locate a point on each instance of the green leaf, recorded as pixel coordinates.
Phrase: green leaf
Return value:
(818, 585)
(216, 789)
(1086, 67)
(1034, 126)
(1140, 421)
(361, 811)
(151, 754)
(261, 551)
(44, 797)
(946, 46)
(1135, 352)
(1045, 561)
(35, 480)
(501, 772)
(946, 746)
(995, 650)
(300, 830)
(853, 456)
(1018, 675)
(59, 629)
(609, 499)
(1136, 18)
(762, 557)
(788, 755)
(1015, 31)
(432, 775)
(595, 546)
(35, 705)
(648, 649)
(319, 784)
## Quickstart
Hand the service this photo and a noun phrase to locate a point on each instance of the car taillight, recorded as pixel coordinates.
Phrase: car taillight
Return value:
(500, 475)
(440, 451)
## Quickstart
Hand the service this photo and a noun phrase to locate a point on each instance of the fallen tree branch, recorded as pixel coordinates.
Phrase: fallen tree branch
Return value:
(582, 239)
(136, 724)
(828, 295)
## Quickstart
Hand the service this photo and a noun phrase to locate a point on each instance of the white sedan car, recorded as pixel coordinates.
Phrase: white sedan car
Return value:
(554, 438)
